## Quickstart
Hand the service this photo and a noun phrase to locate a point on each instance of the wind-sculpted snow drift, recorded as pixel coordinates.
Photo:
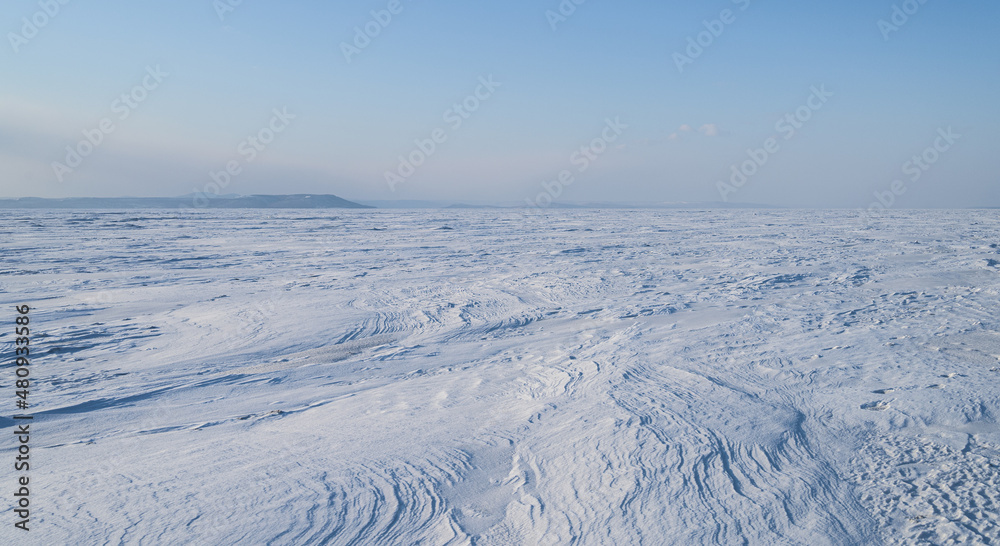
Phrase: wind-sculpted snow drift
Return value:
(498, 377)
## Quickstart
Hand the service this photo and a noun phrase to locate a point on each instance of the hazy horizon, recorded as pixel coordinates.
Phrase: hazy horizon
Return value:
(402, 204)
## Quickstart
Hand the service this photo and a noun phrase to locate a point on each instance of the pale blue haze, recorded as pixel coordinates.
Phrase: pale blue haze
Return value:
(608, 59)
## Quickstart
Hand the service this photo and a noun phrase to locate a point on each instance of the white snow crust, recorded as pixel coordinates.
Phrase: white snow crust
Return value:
(497, 377)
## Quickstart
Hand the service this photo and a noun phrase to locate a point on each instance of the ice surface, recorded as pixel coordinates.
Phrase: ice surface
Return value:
(495, 377)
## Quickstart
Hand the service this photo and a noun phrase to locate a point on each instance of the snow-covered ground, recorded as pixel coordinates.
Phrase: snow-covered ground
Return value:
(491, 377)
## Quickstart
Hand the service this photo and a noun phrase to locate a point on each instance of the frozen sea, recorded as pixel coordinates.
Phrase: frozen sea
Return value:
(492, 377)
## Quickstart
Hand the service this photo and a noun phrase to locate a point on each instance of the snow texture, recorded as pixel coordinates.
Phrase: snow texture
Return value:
(502, 377)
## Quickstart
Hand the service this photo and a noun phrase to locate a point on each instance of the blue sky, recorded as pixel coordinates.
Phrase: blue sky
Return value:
(221, 79)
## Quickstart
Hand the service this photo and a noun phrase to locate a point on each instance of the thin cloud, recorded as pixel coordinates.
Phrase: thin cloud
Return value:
(709, 130)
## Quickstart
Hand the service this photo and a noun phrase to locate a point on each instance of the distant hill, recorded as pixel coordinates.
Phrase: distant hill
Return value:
(296, 201)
